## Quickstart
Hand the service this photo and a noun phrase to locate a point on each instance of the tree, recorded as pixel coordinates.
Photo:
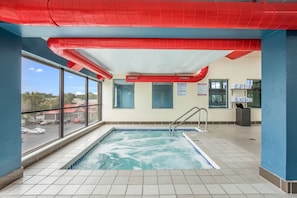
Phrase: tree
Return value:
(92, 96)
(68, 98)
(36, 101)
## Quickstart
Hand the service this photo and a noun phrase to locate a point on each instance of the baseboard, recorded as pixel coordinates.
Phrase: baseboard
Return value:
(168, 122)
(11, 177)
(286, 186)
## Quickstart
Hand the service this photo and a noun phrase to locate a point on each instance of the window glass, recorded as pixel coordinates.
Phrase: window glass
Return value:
(218, 93)
(123, 94)
(41, 108)
(93, 115)
(93, 105)
(74, 102)
(254, 93)
(40, 103)
(162, 95)
(93, 92)
(40, 86)
(39, 129)
(100, 102)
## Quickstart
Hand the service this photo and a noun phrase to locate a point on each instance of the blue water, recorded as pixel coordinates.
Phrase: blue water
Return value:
(144, 150)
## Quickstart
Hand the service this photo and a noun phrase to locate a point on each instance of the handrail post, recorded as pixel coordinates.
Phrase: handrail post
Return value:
(199, 119)
(206, 120)
(177, 122)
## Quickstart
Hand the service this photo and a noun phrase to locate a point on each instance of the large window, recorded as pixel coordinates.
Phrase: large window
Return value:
(123, 94)
(93, 102)
(218, 93)
(254, 93)
(42, 106)
(162, 95)
(74, 102)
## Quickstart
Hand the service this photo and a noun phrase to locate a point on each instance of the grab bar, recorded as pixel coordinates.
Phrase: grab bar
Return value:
(194, 110)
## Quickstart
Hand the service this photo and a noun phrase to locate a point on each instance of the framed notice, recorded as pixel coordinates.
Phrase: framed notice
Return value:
(202, 89)
(181, 89)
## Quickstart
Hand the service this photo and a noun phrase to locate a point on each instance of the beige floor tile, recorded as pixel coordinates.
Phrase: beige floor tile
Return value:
(228, 145)
(134, 190)
(150, 189)
(118, 189)
(102, 189)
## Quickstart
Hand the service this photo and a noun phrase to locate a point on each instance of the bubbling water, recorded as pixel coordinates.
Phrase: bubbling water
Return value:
(145, 150)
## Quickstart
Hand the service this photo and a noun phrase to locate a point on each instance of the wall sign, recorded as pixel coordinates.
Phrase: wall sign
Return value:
(181, 89)
(202, 89)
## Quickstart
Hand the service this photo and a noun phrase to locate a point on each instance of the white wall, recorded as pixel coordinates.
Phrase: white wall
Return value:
(236, 71)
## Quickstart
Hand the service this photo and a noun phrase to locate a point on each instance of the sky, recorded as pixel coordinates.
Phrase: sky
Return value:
(37, 77)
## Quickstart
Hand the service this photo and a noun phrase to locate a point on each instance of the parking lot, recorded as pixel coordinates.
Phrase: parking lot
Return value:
(34, 140)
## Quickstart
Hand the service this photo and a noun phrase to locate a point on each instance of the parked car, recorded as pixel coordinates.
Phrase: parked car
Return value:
(76, 120)
(37, 130)
(32, 131)
(45, 122)
(25, 130)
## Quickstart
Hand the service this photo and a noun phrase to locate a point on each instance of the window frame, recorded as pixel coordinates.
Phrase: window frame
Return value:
(219, 87)
(59, 123)
(162, 106)
(250, 82)
(127, 86)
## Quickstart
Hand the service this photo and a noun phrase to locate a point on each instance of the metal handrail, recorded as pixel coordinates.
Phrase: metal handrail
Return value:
(206, 119)
(179, 122)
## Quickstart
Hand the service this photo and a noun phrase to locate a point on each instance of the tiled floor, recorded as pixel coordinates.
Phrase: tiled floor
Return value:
(234, 148)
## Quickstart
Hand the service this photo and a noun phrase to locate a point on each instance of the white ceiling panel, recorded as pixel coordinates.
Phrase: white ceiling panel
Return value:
(124, 61)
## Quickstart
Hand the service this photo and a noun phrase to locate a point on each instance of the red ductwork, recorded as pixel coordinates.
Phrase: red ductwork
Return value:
(147, 43)
(78, 68)
(168, 78)
(74, 66)
(151, 13)
(237, 54)
(65, 47)
(79, 59)
(76, 58)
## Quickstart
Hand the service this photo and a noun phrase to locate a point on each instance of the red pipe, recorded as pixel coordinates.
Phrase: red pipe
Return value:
(74, 66)
(65, 46)
(151, 13)
(76, 58)
(162, 78)
(237, 54)
(79, 59)
(143, 43)
(146, 43)
(78, 68)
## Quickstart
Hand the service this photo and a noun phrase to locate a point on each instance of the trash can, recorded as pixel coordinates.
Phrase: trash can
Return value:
(243, 116)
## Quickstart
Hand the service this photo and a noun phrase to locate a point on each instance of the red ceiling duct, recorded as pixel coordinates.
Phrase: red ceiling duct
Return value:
(76, 58)
(237, 54)
(79, 59)
(74, 66)
(146, 43)
(151, 13)
(168, 78)
(65, 47)
(78, 68)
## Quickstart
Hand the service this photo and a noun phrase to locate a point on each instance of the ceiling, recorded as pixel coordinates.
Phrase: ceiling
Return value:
(127, 61)
(180, 21)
